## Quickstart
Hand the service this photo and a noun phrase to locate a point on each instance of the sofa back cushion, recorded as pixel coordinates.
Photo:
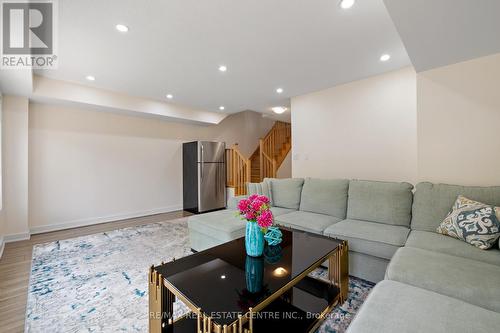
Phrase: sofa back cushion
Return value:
(325, 196)
(433, 202)
(285, 193)
(382, 202)
(259, 188)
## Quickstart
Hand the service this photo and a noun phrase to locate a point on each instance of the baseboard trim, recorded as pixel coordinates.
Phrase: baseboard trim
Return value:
(2, 246)
(99, 220)
(16, 237)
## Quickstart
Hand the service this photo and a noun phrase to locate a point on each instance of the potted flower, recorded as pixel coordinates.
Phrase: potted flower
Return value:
(256, 210)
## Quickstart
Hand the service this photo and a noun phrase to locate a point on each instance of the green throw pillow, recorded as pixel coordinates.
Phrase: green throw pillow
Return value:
(473, 222)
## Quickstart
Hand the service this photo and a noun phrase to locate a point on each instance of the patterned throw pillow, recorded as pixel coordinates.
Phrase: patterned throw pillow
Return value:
(473, 222)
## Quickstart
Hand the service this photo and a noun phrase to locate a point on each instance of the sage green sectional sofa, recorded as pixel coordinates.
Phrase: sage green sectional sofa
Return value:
(436, 283)
(373, 216)
(394, 307)
(377, 224)
(426, 282)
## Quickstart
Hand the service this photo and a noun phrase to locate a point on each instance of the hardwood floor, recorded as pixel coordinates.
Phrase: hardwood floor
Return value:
(15, 265)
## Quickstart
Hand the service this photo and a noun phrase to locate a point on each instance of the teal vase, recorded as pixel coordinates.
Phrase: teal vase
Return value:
(254, 240)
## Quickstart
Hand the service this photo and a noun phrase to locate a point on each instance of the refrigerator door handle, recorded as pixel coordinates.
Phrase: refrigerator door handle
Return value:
(202, 159)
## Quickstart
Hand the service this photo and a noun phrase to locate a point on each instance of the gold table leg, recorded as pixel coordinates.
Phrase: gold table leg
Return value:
(338, 270)
(161, 303)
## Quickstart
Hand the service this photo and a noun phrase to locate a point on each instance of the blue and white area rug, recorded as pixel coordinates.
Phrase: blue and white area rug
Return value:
(98, 283)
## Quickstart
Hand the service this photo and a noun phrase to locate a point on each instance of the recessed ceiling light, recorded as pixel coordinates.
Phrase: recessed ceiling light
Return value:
(279, 90)
(222, 277)
(121, 28)
(169, 96)
(221, 108)
(346, 4)
(279, 109)
(385, 57)
(222, 68)
(90, 78)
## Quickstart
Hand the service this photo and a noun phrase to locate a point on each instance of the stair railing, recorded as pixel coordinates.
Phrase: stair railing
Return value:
(268, 166)
(274, 148)
(238, 170)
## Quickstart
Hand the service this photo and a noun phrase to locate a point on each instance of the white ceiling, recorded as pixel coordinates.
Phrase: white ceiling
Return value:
(443, 32)
(176, 47)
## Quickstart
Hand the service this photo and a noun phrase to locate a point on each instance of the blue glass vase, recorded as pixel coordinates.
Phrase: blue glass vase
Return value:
(254, 239)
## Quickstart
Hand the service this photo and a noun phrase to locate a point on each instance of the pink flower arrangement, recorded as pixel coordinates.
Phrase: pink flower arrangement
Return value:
(256, 208)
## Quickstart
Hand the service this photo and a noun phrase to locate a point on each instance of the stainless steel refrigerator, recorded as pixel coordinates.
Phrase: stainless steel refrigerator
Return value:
(204, 176)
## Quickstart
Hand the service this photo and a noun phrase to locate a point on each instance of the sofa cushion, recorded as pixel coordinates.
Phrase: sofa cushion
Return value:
(307, 221)
(383, 202)
(232, 202)
(199, 241)
(254, 188)
(286, 192)
(443, 244)
(375, 239)
(277, 211)
(262, 188)
(469, 280)
(394, 307)
(472, 222)
(325, 196)
(432, 202)
(266, 189)
(223, 224)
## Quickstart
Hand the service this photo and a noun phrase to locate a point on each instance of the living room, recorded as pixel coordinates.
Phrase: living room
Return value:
(270, 166)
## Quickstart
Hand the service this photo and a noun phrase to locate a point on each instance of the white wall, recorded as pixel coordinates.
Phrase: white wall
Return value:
(2, 232)
(285, 169)
(15, 167)
(87, 166)
(364, 129)
(459, 123)
(1, 192)
(245, 129)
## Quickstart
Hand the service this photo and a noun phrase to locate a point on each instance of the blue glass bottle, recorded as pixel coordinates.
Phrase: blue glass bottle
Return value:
(254, 239)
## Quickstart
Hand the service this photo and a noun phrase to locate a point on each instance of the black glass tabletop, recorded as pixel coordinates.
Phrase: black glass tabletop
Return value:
(223, 281)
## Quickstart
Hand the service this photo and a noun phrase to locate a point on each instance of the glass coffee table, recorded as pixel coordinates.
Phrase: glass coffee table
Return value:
(229, 292)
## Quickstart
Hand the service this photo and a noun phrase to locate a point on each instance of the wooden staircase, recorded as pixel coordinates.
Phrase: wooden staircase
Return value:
(263, 163)
(255, 166)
